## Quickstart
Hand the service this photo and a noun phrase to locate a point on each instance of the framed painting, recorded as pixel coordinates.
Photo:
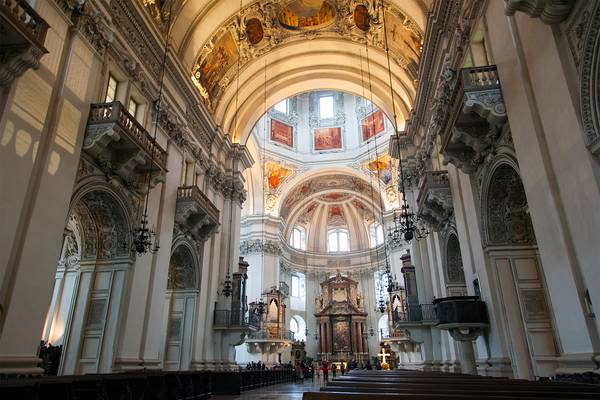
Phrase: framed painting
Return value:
(372, 125)
(282, 133)
(341, 336)
(327, 139)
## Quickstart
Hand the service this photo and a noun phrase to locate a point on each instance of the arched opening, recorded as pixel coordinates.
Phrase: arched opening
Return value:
(455, 276)
(383, 327)
(182, 293)
(298, 328)
(513, 254)
(96, 254)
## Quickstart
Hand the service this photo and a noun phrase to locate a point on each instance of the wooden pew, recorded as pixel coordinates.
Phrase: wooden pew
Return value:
(408, 384)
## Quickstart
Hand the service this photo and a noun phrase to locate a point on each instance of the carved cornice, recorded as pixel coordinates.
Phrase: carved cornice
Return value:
(434, 92)
(548, 11)
(195, 214)
(435, 199)
(473, 118)
(254, 246)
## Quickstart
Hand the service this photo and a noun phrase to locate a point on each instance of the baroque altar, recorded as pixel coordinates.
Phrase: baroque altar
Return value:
(341, 321)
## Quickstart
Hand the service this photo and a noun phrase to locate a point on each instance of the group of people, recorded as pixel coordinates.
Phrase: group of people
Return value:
(258, 366)
(306, 371)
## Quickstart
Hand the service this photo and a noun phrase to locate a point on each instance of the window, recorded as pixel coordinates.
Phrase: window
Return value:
(326, 107)
(383, 327)
(282, 106)
(298, 295)
(298, 239)
(376, 234)
(295, 286)
(338, 240)
(132, 108)
(111, 90)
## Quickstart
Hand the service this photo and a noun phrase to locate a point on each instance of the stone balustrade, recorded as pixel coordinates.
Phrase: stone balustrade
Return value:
(23, 37)
(195, 213)
(474, 117)
(120, 146)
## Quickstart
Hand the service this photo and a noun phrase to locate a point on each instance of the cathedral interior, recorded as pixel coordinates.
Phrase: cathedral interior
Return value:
(203, 197)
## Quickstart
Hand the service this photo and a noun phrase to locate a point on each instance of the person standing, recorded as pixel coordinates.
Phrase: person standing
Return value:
(325, 371)
(334, 370)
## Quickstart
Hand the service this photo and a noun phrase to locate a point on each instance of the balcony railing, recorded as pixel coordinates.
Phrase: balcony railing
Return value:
(417, 313)
(265, 334)
(103, 114)
(21, 17)
(193, 193)
(228, 319)
(195, 213)
(476, 111)
(479, 78)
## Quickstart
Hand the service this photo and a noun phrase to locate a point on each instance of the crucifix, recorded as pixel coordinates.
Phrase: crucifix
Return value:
(383, 355)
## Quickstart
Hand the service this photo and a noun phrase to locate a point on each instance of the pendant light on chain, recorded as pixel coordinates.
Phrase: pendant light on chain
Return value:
(406, 226)
(144, 239)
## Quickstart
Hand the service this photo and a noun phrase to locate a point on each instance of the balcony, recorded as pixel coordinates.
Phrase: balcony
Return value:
(122, 147)
(476, 114)
(235, 320)
(269, 341)
(22, 42)
(460, 312)
(416, 314)
(195, 213)
(434, 201)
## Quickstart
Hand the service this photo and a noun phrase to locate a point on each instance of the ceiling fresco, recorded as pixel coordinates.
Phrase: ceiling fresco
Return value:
(267, 24)
(324, 183)
(306, 14)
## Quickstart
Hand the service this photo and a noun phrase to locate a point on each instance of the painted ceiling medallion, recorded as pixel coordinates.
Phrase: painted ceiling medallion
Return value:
(254, 31)
(307, 14)
(362, 19)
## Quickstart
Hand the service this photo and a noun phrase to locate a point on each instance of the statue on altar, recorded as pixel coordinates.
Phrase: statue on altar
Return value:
(341, 320)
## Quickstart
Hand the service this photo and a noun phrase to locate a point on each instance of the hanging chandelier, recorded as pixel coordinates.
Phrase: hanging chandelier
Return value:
(227, 285)
(406, 224)
(144, 239)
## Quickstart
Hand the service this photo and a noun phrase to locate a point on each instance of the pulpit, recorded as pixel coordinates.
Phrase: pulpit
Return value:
(341, 321)
(272, 338)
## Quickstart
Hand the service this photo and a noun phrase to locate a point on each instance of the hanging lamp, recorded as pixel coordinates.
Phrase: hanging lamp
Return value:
(227, 285)
(145, 239)
(406, 225)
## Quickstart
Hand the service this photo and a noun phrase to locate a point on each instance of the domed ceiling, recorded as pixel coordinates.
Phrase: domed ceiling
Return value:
(332, 201)
(295, 145)
(299, 45)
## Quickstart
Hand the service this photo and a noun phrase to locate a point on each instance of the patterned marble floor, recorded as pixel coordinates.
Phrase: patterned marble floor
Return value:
(285, 391)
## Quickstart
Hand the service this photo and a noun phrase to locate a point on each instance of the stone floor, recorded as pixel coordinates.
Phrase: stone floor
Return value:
(285, 391)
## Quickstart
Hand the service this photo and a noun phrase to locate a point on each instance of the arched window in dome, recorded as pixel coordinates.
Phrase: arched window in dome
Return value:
(282, 106)
(338, 240)
(298, 238)
(298, 292)
(376, 234)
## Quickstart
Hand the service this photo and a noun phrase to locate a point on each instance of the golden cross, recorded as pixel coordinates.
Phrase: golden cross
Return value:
(383, 355)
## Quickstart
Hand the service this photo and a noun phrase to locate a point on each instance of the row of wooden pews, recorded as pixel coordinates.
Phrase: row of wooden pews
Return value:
(408, 385)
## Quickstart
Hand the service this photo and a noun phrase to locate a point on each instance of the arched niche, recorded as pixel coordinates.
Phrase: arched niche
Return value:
(507, 219)
(589, 76)
(182, 269)
(517, 283)
(454, 265)
(96, 254)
